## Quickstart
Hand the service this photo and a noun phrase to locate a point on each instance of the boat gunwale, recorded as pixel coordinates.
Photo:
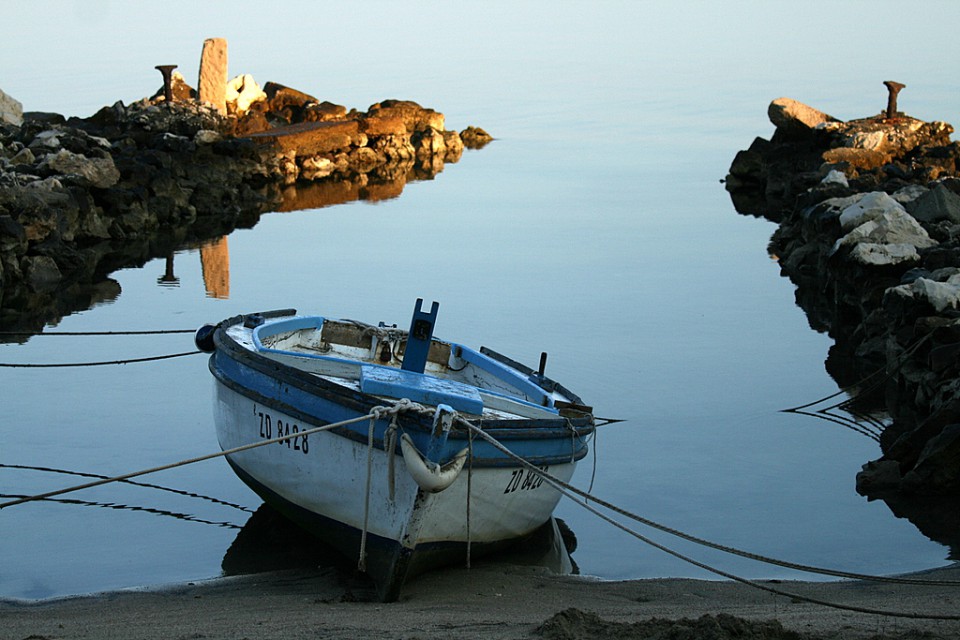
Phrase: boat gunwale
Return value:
(510, 372)
(574, 429)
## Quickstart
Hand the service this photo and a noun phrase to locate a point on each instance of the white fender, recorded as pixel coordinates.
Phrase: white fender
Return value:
(430, 476)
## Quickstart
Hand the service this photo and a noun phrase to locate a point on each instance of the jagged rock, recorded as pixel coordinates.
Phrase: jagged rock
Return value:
(453, 145)
(908, 195)
(867, 206)
(873, 254)
(46, 140)
(894, 139)
(863, 159)
(324, 112)
(880, 231)
(24, 156)
(940, 295)
(475, 138)
(878, 476)
(415, 117)
(11, 111)
(795, 118)
(241, 93)
(835, 177)
(97, 172)
(938, 467)
(41, 272)
(429, 143)
(45, 117)
(939, 203)
(206, 136)
(182, 91)
(286, 103)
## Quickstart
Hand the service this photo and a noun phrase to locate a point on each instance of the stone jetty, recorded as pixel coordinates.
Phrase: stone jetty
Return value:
(82, 197)
(869, 231)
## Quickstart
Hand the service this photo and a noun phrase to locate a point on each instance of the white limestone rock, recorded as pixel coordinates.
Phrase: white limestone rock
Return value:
(791, 115)
(884, 227)
(906, 195)
(207, 136)
(11, 111)
(242, 92)
(835, 177)
(879, 255)
(867, 207)
(940, 295)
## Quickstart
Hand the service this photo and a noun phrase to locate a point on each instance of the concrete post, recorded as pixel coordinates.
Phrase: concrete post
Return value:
(212, 86)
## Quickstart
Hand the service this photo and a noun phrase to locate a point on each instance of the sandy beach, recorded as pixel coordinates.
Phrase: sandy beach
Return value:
(491, 600)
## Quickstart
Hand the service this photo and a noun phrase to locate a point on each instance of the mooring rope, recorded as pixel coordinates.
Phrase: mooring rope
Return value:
(209, 456)
(713, 545)
(567, 489)
(126, 507)
(469, 493)
(587, 496)
(57, 365)
(97, 333)
(84, 474)
(362, 560)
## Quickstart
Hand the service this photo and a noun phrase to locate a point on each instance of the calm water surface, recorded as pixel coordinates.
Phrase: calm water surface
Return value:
(595, 228)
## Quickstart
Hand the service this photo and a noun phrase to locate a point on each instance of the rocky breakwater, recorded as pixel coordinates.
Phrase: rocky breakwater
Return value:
(869, 231)
(82, 197)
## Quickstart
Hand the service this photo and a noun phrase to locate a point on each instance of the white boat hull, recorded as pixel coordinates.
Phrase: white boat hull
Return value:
(448, 464)
(321, 481)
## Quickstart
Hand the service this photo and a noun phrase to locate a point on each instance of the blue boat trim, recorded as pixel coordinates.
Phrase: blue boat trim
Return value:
(253, 376)
(535, 377)
(417, 387)
(419, 337)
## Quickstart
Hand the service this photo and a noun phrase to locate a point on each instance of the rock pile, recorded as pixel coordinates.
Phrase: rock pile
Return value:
(869, 231)
(80, 198)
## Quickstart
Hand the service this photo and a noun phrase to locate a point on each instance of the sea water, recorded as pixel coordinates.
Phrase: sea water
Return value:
(595, 228)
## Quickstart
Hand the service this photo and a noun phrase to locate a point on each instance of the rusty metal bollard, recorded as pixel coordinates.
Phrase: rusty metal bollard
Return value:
(166, 70)
(893, 88)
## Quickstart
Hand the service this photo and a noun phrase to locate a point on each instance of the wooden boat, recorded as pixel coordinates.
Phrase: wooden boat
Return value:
(403, 491)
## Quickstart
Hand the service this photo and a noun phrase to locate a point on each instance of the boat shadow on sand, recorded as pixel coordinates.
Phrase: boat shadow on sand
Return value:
(270, 542)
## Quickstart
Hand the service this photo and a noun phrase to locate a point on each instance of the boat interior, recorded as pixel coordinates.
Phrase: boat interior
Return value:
(372, 359)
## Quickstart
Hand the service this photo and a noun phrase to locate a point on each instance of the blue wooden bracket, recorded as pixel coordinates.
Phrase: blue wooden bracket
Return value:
(419, 337)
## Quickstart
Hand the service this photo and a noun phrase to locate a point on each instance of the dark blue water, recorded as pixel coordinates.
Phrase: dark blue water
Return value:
(595, 228)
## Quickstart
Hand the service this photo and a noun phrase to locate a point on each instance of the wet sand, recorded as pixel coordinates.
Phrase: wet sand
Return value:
(492, 600)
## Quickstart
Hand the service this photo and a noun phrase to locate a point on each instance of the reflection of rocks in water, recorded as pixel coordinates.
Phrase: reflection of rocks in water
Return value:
(938, 518)
(271, 542)
(83, 197)
(215, 265)
(326, 193)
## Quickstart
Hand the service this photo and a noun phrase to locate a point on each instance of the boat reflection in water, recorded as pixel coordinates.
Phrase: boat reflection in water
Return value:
(270, 542)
